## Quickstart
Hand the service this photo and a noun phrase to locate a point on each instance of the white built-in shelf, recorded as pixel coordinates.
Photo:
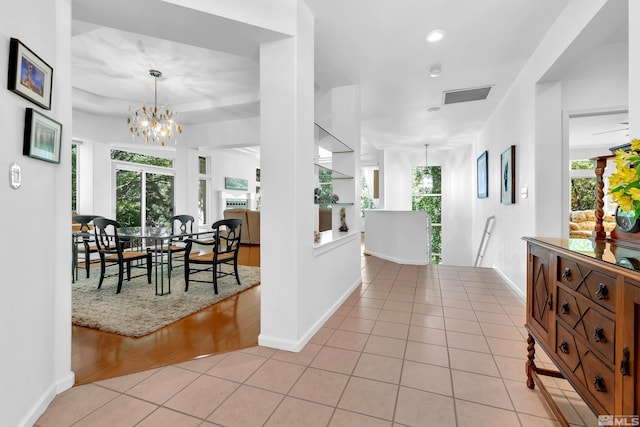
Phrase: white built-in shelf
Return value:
(329, 142)
(334, 173)
(330, 240)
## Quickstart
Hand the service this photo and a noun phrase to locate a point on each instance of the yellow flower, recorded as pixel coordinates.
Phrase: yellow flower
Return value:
(634, 193)
(624, 183)
(626, 204)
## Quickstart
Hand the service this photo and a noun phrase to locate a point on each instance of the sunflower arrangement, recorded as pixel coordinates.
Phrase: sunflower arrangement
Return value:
(624, 184)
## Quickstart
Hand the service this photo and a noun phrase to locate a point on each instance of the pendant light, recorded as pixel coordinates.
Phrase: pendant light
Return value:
(427, 179)
(154, 124)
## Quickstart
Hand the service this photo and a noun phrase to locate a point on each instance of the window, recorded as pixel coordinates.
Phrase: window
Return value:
(368, 184)
(431, 203)
(325, 185)
(144, 190)
(74, 177)
(583, 185)
(204, 190)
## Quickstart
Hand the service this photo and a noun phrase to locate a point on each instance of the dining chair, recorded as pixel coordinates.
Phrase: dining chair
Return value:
(81, 226)
(182, 227)
(225, 247)
(111, 249)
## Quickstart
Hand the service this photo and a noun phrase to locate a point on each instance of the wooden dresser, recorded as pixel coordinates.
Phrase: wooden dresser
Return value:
(583, 310)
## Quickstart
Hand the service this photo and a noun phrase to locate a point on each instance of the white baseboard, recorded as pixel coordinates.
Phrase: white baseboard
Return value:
(297, 345)
(396, 260)
(46, 398)
(66, 383)
(512, 285)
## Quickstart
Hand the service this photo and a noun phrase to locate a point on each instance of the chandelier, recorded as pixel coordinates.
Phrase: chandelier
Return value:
(151, 123)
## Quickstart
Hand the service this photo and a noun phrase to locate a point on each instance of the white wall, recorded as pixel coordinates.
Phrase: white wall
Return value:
(35, 310)
(301, 290)
(458, 189)
(225, 134)
(225, 163)
(514, 122)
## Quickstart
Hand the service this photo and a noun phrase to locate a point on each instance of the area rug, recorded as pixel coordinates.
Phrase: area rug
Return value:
(138, 311)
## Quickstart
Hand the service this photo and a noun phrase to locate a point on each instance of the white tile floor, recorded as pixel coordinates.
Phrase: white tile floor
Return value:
(413, 346)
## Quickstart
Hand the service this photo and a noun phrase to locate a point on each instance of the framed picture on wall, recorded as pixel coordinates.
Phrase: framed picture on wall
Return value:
(508, 176)
(236, 184)
(29, 76)
(42, 137)
(483, 170)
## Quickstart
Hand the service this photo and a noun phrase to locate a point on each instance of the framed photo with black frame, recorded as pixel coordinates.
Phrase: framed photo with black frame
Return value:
(483, 170)
(508, 176)
(29, 76)
(42, 137)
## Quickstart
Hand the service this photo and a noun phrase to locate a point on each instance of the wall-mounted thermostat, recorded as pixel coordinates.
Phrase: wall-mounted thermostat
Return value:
(15, 176)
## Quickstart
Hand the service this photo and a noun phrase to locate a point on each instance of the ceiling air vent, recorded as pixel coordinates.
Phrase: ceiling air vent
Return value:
(466, 95)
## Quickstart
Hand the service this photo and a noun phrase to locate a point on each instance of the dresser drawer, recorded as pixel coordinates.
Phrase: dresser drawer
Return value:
(593, 284)
(592, 376)
(566, 348)
(588, 320)
(598, 378)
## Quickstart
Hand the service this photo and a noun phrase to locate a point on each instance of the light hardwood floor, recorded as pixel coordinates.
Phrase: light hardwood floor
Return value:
(221, 328)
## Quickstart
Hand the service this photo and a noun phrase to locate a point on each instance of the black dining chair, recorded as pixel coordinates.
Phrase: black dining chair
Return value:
(225, 248)
(82, 226)
(182, 228)
(112, 252)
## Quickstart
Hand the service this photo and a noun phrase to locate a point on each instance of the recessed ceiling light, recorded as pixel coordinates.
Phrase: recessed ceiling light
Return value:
(435, 71)
(433, 109)
(436, 35)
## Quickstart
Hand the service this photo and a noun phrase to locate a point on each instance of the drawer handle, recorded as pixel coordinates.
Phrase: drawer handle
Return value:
(566, 274)
(564, 307)
(598, 383)
(564, 347)
(598, 334)
(602, 292)
(624, 364)
(550, 302)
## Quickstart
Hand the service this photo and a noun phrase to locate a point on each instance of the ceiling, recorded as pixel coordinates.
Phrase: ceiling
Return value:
(378, 45)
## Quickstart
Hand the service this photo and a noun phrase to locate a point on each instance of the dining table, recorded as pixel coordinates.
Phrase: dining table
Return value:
(157, 240)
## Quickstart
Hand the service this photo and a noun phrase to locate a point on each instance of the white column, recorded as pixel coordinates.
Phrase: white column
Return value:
(345, 125)
(287, 179)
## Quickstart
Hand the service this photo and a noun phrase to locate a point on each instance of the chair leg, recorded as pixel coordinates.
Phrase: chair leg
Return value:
(215, 280)
(235, 269)
(149, 262)
(128, 271)
(120, 275)
(186, 275)
(87, 262)
(102, 271)
(86, 265)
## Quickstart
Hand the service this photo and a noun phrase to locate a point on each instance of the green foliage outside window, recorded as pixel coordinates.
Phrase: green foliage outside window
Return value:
(126, 156)
(326, 188)
(128, 198)
(431, 203)
(583, 165)
(365, 201)
(436, 239)
(583, 194)
(158, 190)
